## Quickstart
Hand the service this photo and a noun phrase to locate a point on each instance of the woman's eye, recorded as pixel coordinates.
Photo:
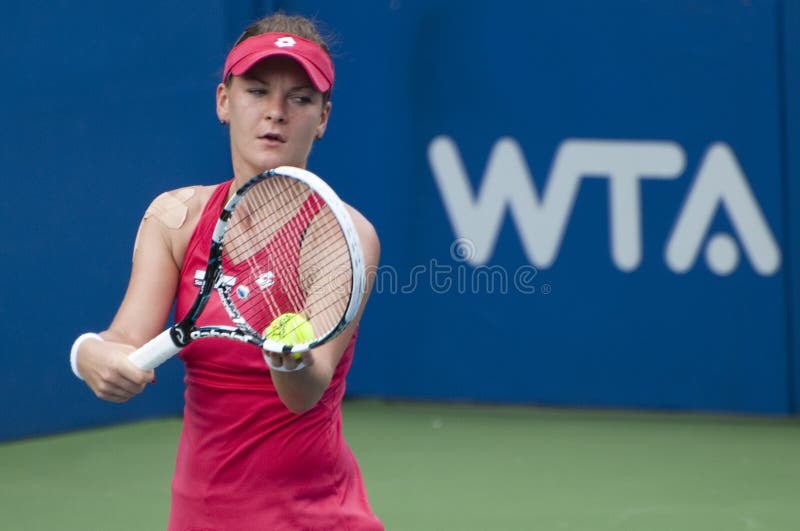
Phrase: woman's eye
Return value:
(257, 91)
(302, 100)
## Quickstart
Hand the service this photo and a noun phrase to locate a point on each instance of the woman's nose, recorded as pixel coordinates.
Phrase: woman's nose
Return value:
(276, 112)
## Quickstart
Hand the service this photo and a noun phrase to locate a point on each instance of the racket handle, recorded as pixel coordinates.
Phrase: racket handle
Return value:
(155, 352)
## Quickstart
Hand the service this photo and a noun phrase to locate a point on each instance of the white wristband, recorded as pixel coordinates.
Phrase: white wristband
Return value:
(301, 365)
(73, 353)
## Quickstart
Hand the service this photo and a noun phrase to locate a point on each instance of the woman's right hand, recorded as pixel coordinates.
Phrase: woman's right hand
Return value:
(106, 369)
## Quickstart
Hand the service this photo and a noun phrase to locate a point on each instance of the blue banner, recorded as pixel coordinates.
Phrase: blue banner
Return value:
(578, 204)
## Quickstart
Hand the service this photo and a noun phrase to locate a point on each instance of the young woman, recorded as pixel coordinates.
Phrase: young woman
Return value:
(260, 448)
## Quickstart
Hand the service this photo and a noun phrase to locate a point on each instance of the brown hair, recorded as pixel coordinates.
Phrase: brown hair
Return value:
(282, 23)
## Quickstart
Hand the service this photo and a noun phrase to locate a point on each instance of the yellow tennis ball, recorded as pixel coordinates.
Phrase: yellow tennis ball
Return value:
(290, 329)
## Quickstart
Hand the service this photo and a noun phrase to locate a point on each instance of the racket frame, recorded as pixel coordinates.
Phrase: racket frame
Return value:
(169, 342)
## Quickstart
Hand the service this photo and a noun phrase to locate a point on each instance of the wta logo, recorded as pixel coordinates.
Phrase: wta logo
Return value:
(719, 183)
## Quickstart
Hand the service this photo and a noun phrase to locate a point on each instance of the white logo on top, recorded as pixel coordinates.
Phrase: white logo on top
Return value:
(265, 280)
(200, 276)
(285, 42)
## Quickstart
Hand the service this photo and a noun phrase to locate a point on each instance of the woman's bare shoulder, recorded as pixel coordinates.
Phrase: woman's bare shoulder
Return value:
(174, 208)
(172, 217)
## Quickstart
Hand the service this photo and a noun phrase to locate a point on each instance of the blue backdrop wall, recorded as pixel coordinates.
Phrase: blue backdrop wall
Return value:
(578, 204)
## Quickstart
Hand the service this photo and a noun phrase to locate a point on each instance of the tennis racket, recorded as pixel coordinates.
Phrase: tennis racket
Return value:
(284, 246)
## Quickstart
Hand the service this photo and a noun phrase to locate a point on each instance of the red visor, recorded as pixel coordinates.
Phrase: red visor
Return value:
(311, 57)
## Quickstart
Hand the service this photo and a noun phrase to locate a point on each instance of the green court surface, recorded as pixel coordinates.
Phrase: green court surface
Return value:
(456, 467)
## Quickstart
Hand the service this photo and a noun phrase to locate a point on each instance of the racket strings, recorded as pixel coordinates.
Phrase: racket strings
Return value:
(326, 267)
(332, 226)
(259, 228)
(299, 225)
(315, 275)
(271, 231)
(328, 287)
(255, 241)
(308, 255)
(254, 213)
(283, 268)
(332, 229)
(323, 246)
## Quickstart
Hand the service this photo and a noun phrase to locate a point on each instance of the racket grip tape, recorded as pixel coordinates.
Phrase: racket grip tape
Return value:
(155, 352)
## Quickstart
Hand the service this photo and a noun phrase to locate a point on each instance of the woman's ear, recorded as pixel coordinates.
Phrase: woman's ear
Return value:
(323, 124)
(223, 113)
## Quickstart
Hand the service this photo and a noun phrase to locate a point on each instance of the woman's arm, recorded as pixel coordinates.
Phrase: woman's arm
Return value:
(104, 365)
(301, 390)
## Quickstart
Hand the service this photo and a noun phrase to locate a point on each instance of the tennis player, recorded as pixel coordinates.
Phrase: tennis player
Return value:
(260, 448)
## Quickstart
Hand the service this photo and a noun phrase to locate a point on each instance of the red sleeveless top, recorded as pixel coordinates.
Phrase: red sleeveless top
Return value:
(244, 461)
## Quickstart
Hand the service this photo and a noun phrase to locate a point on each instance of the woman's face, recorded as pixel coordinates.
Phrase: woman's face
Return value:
(275, 113)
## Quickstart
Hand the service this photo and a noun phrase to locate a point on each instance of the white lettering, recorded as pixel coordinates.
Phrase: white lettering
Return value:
(720, 181)
(507, 184)
(624, 164)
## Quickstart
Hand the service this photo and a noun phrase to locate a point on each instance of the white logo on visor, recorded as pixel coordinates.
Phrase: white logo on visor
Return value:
(285, 42)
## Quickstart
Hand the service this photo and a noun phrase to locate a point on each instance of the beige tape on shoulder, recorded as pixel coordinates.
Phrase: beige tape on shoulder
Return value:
(169, 208)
